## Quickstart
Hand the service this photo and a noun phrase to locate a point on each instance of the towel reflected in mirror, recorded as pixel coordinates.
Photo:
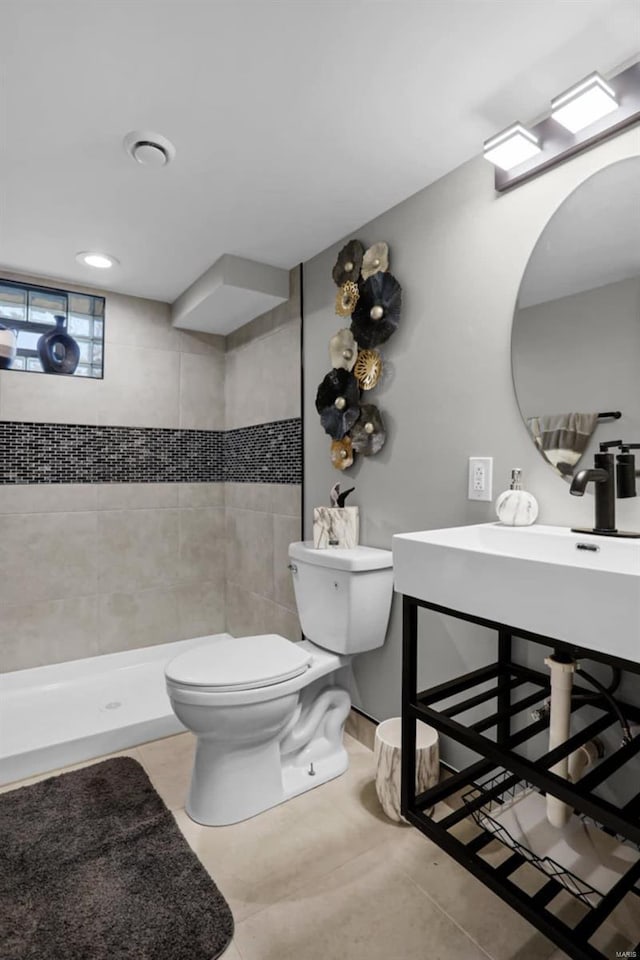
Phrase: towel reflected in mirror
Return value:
(562, 438)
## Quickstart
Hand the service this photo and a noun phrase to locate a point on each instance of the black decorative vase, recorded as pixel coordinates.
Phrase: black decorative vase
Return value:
(58, 351)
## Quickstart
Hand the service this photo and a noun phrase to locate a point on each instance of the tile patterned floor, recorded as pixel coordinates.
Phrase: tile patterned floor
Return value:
(327, 877)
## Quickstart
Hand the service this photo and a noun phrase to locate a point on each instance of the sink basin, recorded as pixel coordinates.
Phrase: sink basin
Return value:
(579, 588)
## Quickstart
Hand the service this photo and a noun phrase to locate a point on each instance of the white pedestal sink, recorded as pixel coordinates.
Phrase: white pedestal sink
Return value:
(579, 588)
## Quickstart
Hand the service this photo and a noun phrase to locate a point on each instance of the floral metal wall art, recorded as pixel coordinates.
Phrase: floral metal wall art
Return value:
(372, 297)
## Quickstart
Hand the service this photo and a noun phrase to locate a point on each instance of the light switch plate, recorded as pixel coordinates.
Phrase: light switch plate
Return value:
(480, 478)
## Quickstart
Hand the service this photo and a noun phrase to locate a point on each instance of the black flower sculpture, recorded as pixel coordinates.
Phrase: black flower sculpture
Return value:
(377, 313)
(368, 434)
(347, 266)
(338, 403)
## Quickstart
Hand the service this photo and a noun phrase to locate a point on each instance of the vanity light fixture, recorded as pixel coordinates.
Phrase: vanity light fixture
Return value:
(511, 147)
(102, 261)
(584, 115)
(584, 103)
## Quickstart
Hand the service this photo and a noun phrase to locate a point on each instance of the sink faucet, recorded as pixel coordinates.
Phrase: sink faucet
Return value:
(610, 479)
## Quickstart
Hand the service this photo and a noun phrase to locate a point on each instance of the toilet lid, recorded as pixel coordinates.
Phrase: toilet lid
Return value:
(243, 663)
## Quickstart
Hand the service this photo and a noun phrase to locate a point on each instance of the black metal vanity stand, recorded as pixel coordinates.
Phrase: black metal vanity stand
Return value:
(500, 771)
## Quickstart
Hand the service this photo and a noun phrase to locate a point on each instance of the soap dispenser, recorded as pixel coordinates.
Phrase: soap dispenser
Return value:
(516, 507)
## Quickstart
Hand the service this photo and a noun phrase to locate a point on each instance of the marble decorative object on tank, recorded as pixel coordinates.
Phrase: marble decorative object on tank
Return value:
(375, 260)
(387, 754)
(336, 527)
(377, 313)
(343, 350)
(347, 266)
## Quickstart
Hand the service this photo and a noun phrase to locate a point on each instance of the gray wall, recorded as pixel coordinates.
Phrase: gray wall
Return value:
(581, 353)
(87, 569)
(459, 252)
(263, 384)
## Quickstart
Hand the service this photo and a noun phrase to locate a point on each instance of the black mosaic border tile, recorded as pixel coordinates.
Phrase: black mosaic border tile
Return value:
(265, 453)
(32, 453)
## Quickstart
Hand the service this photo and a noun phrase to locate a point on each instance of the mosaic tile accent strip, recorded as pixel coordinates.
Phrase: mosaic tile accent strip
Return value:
(265, 453)
(76, 453)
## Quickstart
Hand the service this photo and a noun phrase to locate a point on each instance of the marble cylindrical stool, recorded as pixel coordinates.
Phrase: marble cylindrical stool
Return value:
(387, 755)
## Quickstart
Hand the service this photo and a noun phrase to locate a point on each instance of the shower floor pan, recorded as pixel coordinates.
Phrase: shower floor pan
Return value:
(69, 712)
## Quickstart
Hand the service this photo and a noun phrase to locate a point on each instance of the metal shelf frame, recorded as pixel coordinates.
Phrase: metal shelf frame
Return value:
(498, 754)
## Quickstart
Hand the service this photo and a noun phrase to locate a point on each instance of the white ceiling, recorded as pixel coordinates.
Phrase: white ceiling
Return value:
(294, 122)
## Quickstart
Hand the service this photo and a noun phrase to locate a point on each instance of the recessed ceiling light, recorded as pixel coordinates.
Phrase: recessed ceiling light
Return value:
(511, 147)
(92, 259)
(584, 103)
(149, 149)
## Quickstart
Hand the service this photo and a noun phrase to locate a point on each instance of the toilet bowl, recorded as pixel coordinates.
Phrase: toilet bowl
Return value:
(268, 713)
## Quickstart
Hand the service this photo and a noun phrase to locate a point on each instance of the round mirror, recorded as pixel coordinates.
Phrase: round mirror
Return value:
(575, 346)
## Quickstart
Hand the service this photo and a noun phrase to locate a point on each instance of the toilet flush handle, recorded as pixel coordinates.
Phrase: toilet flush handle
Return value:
(293, 567)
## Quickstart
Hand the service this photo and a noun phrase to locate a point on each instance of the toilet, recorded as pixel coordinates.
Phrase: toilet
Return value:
(268, 713)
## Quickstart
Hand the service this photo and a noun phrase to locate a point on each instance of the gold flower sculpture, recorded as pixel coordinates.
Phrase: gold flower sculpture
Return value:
(368, 369)
(346, 298)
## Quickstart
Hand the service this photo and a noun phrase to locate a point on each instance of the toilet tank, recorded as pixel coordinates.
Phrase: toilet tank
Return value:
(343, 596)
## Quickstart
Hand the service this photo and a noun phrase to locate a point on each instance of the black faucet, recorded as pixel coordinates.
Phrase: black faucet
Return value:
(611, 478)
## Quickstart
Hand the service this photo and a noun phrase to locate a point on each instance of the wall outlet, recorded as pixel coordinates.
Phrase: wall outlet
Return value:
(480, 478)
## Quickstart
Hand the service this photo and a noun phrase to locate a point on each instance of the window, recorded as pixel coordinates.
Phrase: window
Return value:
(30, 311)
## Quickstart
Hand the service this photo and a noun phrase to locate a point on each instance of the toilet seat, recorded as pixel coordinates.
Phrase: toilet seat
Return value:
(245, 663)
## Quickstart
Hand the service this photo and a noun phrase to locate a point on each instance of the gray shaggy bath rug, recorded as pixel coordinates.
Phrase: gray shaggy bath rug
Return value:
(94, 867)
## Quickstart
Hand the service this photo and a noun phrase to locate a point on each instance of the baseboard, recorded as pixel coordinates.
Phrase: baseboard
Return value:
(361, 727)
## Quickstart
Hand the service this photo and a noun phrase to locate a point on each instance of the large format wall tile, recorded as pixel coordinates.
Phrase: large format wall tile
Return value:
(141, 387)
(48, 556)
(202, 391)
(201, 607)
(137, 549)
(108, 580)
(135, 496)
(140, 619)
(201, 495)
(249, 613)
(45, 398)
(202, 544)
(48, 497)
(262, 381)
(135, 322)
(36, 633)
(286, 530)
(250, 550)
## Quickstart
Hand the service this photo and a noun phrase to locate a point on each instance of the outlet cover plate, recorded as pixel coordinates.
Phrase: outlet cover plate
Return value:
(480, 478)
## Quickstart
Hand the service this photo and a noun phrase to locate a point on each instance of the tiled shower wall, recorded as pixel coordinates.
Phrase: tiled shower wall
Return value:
(263, 384)
(96, 567)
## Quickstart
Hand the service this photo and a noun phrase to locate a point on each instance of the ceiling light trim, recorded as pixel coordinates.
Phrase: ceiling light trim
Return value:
(96, 259)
